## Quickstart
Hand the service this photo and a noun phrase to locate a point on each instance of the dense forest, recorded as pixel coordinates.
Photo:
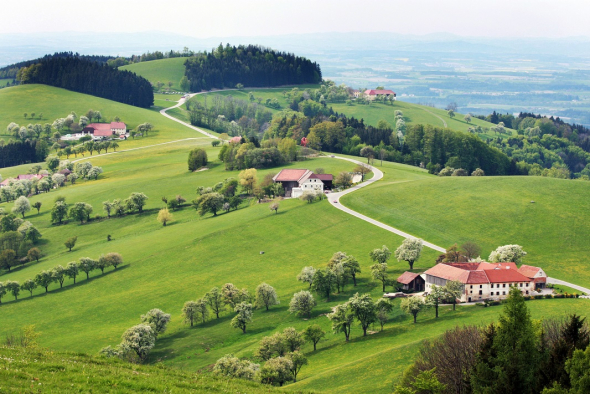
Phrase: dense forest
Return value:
(22, 152)
(85, 76)
(255, 66)
(545, 143)
(11, 70)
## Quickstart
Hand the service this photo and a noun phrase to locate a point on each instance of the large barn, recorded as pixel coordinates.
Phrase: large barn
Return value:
(298, 181)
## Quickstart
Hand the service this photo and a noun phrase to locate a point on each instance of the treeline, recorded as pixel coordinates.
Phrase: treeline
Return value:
(12, 70)
(22, 152)
(85, 76)
(226, 67)
(418, 145)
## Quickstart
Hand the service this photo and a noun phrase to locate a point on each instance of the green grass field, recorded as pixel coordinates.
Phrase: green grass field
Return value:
(163, 70)
(25, 370)
(55, 103)
(491, 211)
(166, 266)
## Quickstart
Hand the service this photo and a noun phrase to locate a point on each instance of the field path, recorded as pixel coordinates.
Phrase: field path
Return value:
(334, 198)
(433, 114)
(139, 147)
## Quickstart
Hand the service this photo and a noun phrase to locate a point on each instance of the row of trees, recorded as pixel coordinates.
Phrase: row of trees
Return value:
(514, 355)
(59, 274)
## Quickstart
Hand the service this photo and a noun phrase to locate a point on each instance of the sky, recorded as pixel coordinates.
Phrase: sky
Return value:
(230, 18)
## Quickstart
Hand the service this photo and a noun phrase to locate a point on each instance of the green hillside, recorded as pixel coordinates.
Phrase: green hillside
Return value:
(163, 70)
(166, 266)
(548, 217)
(27, 370)
(55, 103)
(372, 114)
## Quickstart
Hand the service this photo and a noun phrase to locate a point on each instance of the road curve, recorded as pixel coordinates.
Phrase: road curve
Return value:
(180, 102)
(334, 198)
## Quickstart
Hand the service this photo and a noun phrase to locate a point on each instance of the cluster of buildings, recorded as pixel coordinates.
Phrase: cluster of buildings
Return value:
(481, 280)
(296, 182)
(8, 181)
(372, 94)
(99, 131)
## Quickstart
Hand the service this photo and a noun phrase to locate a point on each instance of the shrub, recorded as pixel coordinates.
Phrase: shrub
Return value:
(197, 158)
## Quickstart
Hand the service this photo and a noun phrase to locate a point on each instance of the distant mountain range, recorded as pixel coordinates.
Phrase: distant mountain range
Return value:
(23, 46)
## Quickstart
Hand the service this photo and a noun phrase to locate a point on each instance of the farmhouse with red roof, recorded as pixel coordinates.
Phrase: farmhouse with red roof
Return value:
(298, 181)
(483, 280)
(99, 130)
(372, 94)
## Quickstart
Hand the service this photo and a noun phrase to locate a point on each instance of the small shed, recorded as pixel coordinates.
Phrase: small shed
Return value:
(411, 281)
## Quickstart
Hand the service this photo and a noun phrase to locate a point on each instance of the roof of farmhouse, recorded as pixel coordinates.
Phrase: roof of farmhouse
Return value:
(485, 272)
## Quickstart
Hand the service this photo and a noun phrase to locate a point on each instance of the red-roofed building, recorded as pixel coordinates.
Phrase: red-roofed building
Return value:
(99, 130)
(298, 181)
(485, 280)
(411, 281)
(372, 94)
(535, 273)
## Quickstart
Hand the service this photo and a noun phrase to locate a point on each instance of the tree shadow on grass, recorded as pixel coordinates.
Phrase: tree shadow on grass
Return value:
(25, 297)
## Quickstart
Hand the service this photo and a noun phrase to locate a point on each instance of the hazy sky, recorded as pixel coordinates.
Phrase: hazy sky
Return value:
(223, 18)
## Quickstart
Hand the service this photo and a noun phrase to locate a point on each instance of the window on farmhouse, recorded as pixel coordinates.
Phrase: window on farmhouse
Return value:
(481, 286)
(503, 284)
(503, 293)
(480, 292)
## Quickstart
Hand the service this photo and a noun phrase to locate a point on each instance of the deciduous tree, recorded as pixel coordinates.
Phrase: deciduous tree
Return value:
(306, 275)
(266, 296)
(214, 299)
(190, 312)
(72, 270)
(413, 305)
(243, 316)
(164, 216)
(29, 285)
(157, 319)
(379, 272)
(44, 279)
(342, 319)
(140, 339)
(314, 334)
(70, 243)
(59, 275)
(22, 206)
(364, 310)
(302, 303)
(410, 251)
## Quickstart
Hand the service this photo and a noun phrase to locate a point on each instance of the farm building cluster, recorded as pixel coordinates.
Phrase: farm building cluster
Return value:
(100, 131)
(298, 181)
(481, 280)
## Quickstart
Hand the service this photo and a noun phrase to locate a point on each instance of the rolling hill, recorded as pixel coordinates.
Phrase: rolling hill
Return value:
(166, 266)
(163, 70)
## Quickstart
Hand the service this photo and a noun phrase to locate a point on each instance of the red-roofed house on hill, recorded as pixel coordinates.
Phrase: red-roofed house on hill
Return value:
(99, 130)
(485, 280)
(372, 94)
(298, 181)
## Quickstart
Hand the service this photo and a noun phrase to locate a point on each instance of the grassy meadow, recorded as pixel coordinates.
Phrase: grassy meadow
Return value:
(163, 70)
(166, 266)
(55, 103)
(548, 217)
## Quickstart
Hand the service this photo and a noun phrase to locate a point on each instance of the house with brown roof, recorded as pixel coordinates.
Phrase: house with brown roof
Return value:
(298, 181)
(372, 94)
(483, 280)
(535, 273)
(411, 281)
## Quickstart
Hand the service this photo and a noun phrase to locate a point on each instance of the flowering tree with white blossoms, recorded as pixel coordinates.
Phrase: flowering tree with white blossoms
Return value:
(507, 254)
(410, 250)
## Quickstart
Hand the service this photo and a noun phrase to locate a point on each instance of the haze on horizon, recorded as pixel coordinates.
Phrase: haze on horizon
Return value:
(230, 18)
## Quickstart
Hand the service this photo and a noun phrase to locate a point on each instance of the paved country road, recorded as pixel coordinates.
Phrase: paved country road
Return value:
(334, 198)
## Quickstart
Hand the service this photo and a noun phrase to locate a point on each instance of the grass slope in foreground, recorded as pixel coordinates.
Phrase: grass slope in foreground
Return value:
(56, 103)
(28, 370)
(163, 70)
(548, 217)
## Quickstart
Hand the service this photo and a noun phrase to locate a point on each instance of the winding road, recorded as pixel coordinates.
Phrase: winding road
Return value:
(334, 198)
